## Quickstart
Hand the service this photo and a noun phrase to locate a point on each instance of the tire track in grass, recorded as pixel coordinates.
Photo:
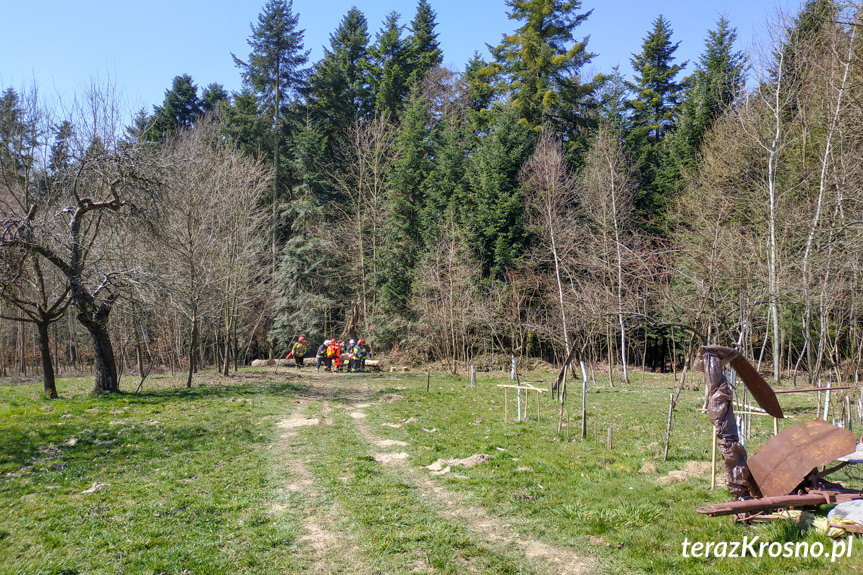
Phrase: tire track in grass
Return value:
(328, 549)
(547, 558)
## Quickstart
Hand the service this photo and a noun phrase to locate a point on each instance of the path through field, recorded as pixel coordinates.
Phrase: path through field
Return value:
(333, 538)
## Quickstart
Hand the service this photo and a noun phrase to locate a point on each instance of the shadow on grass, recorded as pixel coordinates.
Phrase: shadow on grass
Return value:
(51, 436)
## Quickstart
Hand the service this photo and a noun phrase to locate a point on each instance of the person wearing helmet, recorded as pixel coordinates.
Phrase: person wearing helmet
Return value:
(321, 356)
(362, 353)
(334, 353)
(350, 353)
(299, 351)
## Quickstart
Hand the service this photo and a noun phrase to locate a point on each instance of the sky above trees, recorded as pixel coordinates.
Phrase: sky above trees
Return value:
(140, 47)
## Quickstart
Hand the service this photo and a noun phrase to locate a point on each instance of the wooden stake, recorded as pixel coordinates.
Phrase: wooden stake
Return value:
(775, 426)
(668, 427)
(583, 409)
(428, 380)
(608, 442)
(505, 407)
(537, 407)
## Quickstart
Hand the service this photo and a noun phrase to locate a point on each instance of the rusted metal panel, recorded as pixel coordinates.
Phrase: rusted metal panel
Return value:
(786, 459)
(760, 390)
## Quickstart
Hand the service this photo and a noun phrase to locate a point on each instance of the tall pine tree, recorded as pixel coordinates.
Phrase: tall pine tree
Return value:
(339, 92)
(275, 71)
(539, 64)
(390, 67)
(717, 79)
(654, 107)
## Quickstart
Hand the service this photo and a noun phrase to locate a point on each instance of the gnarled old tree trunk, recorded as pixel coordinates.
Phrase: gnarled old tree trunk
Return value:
(103, 352)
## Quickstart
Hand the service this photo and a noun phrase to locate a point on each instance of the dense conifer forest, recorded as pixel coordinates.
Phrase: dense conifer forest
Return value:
(515, 207)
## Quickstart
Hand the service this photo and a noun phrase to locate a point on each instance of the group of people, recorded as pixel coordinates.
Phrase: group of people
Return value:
(331, 353)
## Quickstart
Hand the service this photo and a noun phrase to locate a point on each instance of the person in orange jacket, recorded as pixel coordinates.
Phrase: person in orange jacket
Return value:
(334, 353)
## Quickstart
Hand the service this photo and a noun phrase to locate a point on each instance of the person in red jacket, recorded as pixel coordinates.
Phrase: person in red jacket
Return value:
(334, 353)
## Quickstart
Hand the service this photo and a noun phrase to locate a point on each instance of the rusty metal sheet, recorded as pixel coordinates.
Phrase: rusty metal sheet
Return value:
(786, 459)
(760, 389)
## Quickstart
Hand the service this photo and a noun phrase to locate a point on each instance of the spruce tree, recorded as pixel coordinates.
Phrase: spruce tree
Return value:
(401, 245)
(716, 81)
(655, 104)
(491, 210)
(179, 110)
(445, 181)
(338, 92)
(390, 67)
(275, 71)
(539, 64)
(424, 53)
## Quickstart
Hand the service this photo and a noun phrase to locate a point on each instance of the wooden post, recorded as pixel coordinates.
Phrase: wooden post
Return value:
(537, 407)
(668, 427)
(848, 411)
(505, 409)
(428, 380)
(526, 396)
(775, 426)
(608, 442)
(583, 407)
(472, 376)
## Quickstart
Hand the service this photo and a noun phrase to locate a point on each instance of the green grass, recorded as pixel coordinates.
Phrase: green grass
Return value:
(192, 478)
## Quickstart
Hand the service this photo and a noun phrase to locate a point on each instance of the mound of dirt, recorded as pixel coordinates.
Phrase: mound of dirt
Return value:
(441, 464)
(690, 469)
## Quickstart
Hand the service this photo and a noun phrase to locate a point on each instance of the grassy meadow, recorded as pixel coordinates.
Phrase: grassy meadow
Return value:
(272, 471)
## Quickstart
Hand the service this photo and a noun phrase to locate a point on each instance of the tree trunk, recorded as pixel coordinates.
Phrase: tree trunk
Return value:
(47, 364)
(193, 352)
(103, 352)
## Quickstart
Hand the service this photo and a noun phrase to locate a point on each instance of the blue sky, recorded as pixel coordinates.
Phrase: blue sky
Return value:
(63, 46)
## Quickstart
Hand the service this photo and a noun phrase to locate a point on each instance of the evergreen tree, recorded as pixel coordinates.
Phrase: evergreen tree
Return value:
(654, 110)
(539, 64)
(213, 97)
(275, 72)
(614, 101)
(179, 110)
(390, 67)
(423, 48)
(307, 285)
(446, 177)
(401, 244)
(717, 79)
(245, 125)
(338, 91)
(657, 91)
(479, 95)
(491, 210)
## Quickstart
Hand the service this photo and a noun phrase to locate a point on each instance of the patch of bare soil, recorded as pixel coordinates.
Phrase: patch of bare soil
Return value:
(690, 469)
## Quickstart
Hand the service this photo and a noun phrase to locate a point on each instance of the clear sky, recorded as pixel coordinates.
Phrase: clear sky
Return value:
(64, 45)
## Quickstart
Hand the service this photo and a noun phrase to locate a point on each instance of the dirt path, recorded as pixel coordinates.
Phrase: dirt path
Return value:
(325, 544)
(330, 550)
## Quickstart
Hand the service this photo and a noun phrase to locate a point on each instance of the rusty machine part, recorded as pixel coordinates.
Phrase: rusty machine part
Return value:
(760, 390)
(738, 478)
(810, 499)
(787, 459)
